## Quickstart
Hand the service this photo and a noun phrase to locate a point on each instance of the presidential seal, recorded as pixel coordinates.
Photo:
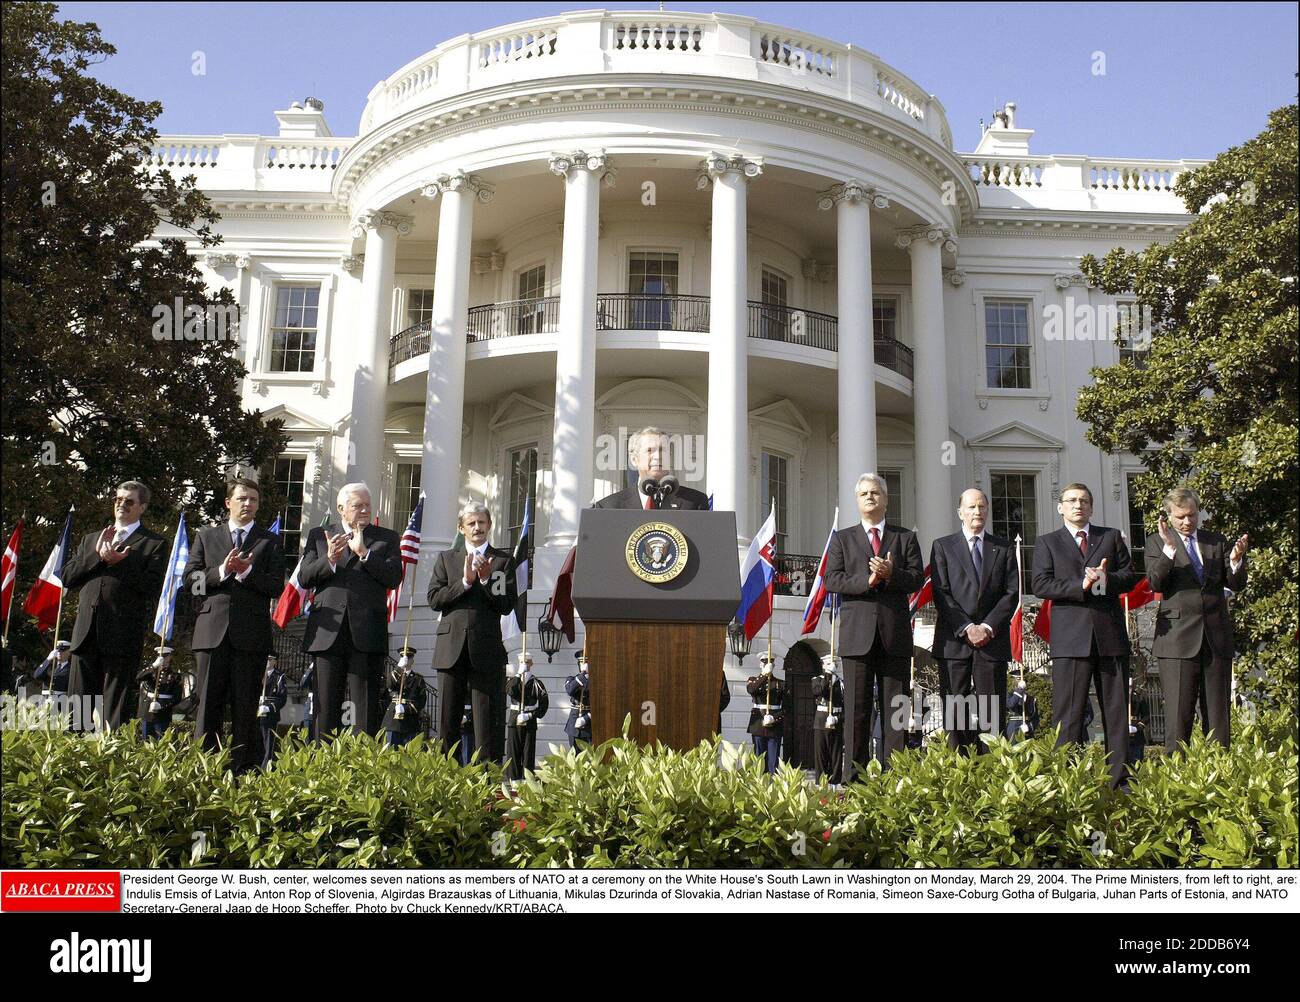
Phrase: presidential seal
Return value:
(656, 552)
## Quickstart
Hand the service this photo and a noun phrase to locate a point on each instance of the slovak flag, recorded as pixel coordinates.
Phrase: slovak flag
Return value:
(409, 548)
(758, 577)
(43, 600)
(812, 612)
(9, 571)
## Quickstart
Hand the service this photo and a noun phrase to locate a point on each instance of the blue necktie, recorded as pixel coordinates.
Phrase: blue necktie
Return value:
(239, 539)
(1197, 567)
(977, 557)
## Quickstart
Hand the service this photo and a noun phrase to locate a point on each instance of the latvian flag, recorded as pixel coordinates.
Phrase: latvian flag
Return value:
(43, 600)
(812, 612)
(409, 547)
(9, 571)
(295, 599)
(921, 598)
(757, 578)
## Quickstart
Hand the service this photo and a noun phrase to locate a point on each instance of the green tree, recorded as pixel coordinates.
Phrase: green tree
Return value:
(91, 396)
(1212, 402)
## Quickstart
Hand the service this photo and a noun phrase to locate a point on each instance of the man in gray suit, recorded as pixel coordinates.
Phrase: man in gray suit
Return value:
(1190, 567)
(472, 588)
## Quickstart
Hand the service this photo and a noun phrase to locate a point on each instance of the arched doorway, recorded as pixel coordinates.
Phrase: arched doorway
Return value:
(803, 662)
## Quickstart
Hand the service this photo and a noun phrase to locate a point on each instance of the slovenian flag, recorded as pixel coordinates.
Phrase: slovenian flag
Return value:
(43, 600)
(757, 578)
(812, 612)
(514, 623)
(165, 617)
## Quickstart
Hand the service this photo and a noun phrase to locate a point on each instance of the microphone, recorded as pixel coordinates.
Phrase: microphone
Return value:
(667, 486)
(649, 486)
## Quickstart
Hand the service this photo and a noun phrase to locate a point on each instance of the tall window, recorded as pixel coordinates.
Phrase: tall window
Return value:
(1137, 533)
(775, 473)
(1134, 343)
(419, 308)
(1006, 348)
(651, 275)
(293, 335)
(775, 292)
(532, 286)
(289, 477)
(1015, 513)
(406, 495)
(523, 489)
(893, 484)
(884, 319)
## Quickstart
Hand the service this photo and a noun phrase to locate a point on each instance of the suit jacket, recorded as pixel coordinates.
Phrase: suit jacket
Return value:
(961, 600)
(884, 607)
(356, 590)
(683, 499)
(240, 610)
(471, 615)
(1190, 610)
(117, 602)
(1078, 616)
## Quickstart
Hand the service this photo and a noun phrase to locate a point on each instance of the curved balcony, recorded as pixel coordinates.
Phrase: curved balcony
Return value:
(640, 312)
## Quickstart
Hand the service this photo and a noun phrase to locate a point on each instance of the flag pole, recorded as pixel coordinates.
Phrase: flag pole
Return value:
(58, 616)
(410, 598)
(1020, 604)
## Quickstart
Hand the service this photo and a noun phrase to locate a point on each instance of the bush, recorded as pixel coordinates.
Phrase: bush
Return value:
(114, 801)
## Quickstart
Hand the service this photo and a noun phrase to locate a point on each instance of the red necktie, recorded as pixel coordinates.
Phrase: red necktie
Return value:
(1083, 543)
(875, 541)
(649, 502)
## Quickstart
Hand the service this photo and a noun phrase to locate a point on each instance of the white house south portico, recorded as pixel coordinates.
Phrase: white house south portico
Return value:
(546, 236)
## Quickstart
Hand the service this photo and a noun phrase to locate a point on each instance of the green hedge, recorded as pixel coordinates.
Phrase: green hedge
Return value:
(113, 801)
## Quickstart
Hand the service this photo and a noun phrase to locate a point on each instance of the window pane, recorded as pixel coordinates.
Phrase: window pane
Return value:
(1137, 533)
(289, 476)
(293, 335)
(1015, 513)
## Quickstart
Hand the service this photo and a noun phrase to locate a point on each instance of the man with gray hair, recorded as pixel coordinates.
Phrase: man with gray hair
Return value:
(649, 451)
(347, 629)
(1190, 567)
(472, 588)
(874, 565)
(120, 572)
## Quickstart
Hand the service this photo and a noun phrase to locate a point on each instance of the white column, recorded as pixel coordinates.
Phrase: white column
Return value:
(935, 452)
(856, 361)
(728, 426)
(444, 397)
(574, 440)
(365, 461)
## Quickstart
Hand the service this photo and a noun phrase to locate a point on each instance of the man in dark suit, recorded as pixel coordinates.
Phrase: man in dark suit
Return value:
(649, 450)
(472, 588)
(1190, 567)
(1084, 569)
(237, 569)
(973, 574)
(875, 566)
(347, 628)
(120, 573)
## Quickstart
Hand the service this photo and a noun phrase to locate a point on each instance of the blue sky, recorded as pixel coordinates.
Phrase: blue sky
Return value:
(1181, 80)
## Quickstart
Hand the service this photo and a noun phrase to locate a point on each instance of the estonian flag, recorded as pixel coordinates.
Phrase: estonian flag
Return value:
(514, 623)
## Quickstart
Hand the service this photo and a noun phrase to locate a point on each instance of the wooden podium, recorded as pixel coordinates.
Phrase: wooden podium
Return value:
(656, 619)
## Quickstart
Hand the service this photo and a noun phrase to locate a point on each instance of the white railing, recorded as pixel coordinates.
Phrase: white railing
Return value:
(1077, 182)
(1128, 175)
(302, 154)
(198, 152)
(591, 43)
(252, 163)
(1007, 172)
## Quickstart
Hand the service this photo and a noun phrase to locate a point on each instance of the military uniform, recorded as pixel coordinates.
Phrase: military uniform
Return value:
(52, 674)
(828, 725)
(521, 737)
(767, 718)
(160, 691)
(270, 703)
(398, 731)
(578, 726)
(1022, 709)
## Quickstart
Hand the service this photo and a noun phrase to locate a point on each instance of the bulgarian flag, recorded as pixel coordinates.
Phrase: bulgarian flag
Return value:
(47, 593)
(295, 600)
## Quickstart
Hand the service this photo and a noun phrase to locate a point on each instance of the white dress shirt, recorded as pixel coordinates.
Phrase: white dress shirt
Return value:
(970, 538)
(121, 533)
(232, 527)
(1189, 542)
(478, 551)
(347, 528)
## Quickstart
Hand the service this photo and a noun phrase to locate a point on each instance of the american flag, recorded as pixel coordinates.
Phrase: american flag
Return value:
(409, 548)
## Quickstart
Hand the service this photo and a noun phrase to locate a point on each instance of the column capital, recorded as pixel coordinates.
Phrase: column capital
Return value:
(929, 232)
(715, 165)
(596, 161)
(374, 220)
(854, 192)
(456, 181)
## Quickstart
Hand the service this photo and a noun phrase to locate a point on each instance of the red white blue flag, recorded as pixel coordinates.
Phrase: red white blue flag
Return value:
(758, 577)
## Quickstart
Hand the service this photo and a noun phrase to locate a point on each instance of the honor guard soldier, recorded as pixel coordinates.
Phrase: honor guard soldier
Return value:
(271, 700)
(52, 673)
(767, 718)
(828, 745)
(466, 747)
(1022, 713)
(308, 688)
(578, 686)
(528, 702)
(402, 720)
(160, 691)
